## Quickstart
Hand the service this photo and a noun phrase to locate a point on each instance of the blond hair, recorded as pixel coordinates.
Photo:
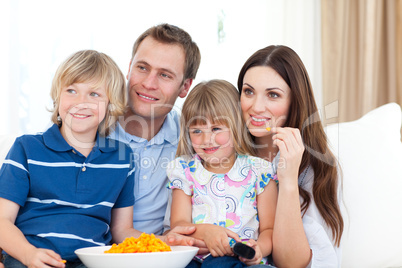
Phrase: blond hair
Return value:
(97, 68)
(218, 102)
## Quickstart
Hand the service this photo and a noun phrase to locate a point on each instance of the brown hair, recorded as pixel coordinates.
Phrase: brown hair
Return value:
(217, 101)
(170, 34)
(98, 68)
(303, 114)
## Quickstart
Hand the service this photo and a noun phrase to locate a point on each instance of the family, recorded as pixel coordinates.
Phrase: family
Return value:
(250, 164)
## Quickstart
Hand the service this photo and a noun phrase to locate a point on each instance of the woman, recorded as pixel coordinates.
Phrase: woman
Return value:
(280, 112)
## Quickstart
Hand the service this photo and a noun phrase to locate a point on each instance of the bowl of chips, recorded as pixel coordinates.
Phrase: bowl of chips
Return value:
(146, 251)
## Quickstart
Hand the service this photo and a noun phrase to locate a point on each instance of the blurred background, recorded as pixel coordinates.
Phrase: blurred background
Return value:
(352, 49)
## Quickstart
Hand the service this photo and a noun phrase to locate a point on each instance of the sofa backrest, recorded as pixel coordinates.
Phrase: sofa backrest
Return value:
(370, 155)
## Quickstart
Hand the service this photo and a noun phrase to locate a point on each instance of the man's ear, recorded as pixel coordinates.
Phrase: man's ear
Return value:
(129, 70)
(185, 87)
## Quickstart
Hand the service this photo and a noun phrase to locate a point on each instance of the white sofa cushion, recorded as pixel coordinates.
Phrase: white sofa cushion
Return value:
(370, 155)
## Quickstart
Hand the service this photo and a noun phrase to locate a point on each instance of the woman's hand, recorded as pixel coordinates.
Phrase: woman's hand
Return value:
(291, 147)
(217, 240)
(258, 254)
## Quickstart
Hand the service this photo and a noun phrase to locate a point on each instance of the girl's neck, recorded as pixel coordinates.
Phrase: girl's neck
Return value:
(222, 167)
(265, 148)
(82, 142)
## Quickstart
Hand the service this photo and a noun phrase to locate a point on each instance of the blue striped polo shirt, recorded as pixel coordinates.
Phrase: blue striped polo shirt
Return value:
(66, 198)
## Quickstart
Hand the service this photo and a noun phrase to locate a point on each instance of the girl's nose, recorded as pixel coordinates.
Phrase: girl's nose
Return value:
(208, 137)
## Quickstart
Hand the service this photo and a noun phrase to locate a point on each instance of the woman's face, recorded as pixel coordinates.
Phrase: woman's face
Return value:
(265, 100)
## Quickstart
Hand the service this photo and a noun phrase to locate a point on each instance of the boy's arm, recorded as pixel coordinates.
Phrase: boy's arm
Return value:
(13, 241)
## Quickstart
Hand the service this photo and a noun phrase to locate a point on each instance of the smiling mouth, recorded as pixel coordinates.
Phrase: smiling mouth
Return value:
(147, 98)
(211, 150)
(80, 116)
(259, 119)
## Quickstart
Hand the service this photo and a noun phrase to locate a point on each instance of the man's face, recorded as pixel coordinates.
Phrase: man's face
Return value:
(155, 79)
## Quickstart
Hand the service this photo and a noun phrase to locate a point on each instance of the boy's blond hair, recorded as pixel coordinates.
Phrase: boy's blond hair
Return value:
(218, 102)
(90, 66)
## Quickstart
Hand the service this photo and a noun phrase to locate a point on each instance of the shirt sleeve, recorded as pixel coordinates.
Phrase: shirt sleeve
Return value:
(264, 172)
(126, 197)
(324, 252)
(14, 174)
(176, 173)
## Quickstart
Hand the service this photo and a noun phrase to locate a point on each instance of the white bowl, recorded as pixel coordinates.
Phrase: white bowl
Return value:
(94, 257)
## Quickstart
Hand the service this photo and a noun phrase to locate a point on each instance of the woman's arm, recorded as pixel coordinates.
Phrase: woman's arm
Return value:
(13, 241)
(290, 244)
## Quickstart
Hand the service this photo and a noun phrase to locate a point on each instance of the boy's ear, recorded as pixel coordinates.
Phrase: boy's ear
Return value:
(185, 87)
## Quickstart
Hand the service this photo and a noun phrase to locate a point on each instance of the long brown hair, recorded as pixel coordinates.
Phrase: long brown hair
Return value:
(303, 114)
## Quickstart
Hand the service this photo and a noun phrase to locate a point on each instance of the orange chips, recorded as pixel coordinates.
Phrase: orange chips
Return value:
(145, 243)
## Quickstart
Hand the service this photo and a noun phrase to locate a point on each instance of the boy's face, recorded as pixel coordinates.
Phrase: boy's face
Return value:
(82, 107)
(155, 79)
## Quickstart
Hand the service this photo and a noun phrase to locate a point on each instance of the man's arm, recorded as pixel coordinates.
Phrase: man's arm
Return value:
(122, 227)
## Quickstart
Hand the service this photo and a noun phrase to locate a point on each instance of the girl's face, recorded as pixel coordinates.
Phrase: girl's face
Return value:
(265, 100)
(214, 144)
(82, 107)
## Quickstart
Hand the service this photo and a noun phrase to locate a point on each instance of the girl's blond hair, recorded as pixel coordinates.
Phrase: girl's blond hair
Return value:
(90, 66)
(218, 102)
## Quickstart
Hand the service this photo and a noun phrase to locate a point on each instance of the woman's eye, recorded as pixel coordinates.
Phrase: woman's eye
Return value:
(216, 129)
(196, 131)
(273, 95)
(94, 94)
(72, 91)
(247, 91)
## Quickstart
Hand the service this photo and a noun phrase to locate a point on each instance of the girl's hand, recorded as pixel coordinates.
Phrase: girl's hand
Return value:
(291, 147)
(258, 255)
(40, 257)
(217, 240)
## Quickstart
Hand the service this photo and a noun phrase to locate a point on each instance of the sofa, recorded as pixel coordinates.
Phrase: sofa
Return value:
(370, 155)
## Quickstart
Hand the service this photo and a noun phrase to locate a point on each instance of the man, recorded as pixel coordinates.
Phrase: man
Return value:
(164, 63)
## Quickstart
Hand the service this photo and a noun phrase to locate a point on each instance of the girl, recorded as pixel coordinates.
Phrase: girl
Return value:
(217, 184)
(69, 187)
(275, 91)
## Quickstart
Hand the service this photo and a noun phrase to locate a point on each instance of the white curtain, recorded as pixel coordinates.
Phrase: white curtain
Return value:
(38, 35)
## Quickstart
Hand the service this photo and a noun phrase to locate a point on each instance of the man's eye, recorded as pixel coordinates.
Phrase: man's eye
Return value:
(165, 75)
(72, 91)
(142, 68)
(94, 94)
